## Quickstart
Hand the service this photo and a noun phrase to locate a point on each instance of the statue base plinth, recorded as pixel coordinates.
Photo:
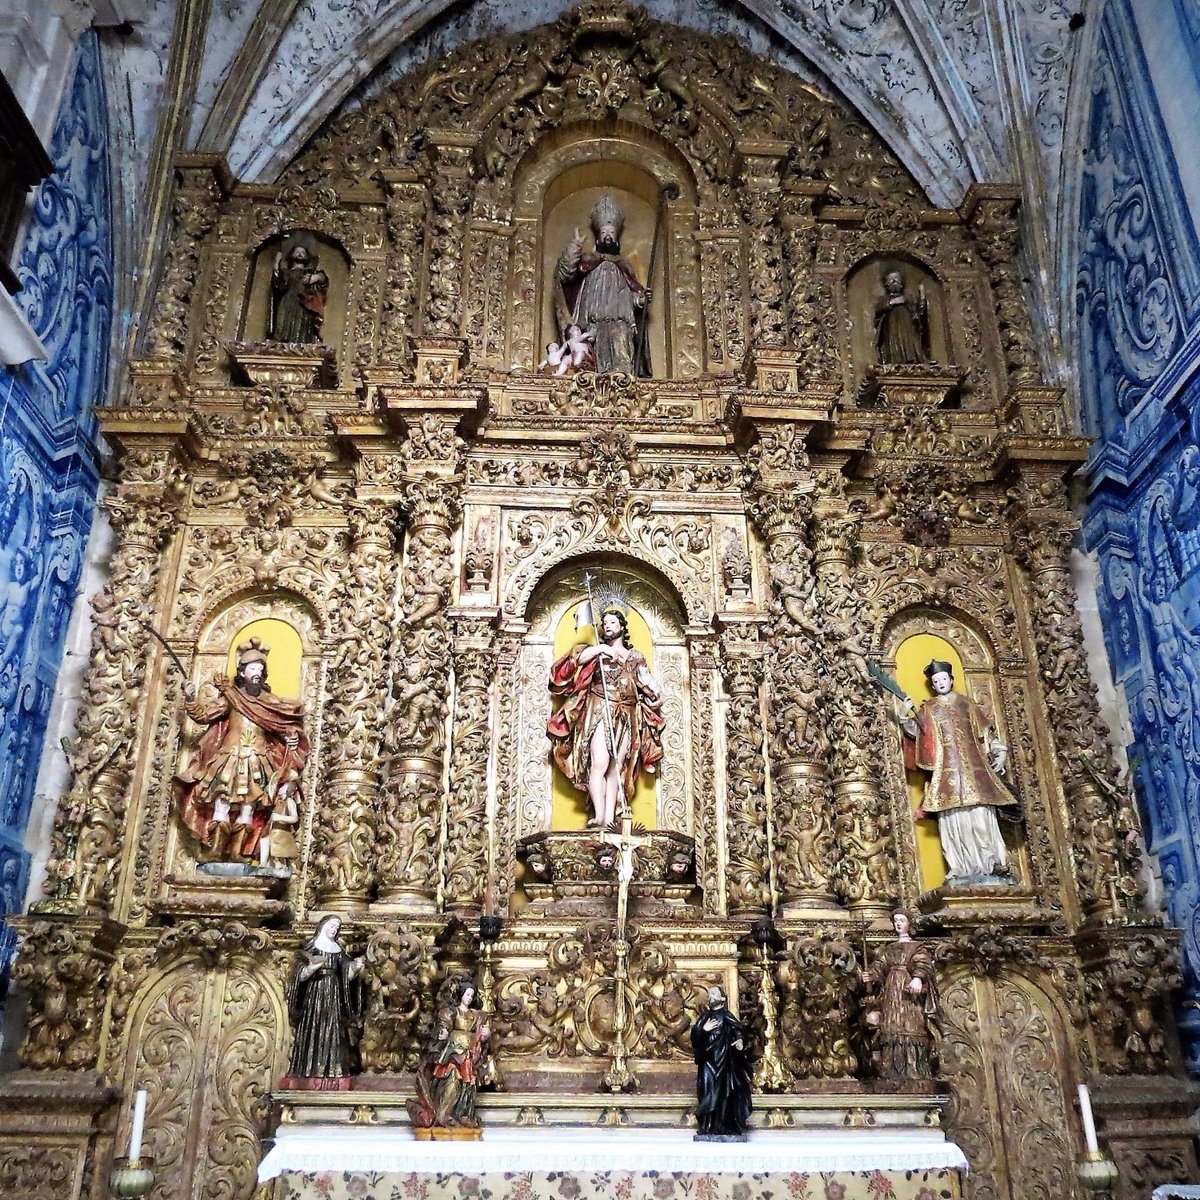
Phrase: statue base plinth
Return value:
(720, 1137)
(287, 364)
(926, 385)
(316, 1083)
(442, 1133)
(255, 898)
(1012, 901)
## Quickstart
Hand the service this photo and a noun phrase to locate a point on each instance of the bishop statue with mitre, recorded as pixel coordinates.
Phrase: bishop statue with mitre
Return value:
(599, 292)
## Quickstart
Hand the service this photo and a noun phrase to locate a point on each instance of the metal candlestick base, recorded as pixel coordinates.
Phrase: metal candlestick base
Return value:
(1097, 1173)
(131, 1177)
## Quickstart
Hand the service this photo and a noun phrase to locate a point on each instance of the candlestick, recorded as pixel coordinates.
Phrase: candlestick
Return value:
(139, 1124)
(1089, 1123)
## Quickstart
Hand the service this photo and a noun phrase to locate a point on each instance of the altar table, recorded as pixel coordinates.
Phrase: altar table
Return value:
(617, 1164)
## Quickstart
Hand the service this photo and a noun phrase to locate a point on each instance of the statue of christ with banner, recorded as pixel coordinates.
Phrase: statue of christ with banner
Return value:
(610, 726)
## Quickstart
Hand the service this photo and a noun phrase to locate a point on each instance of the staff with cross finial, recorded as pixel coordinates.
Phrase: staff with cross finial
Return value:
(608, 721)
(620, 1077)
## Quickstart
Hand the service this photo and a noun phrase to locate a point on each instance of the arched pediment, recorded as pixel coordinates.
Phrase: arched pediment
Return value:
(607, 63)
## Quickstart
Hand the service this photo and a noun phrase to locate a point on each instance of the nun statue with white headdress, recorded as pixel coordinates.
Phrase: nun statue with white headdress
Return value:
(324, 1005)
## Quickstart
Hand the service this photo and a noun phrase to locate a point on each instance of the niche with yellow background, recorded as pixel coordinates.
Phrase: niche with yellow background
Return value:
(570, 808)
(912, 657)
(283, 660)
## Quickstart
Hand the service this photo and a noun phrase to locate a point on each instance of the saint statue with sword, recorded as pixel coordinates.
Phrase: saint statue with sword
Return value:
(610, 725)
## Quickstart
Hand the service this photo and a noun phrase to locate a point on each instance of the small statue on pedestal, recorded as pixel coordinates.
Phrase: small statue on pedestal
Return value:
(902, 1010)
(299, 290)
(901, 324)
(724, 1073)
(448, 1080)
(325, 1003)
(955, 744)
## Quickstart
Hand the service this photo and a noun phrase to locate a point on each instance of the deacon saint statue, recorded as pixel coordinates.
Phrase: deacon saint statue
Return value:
(902, 1009)
(953, 742)
(247, 764)
(598, 292)
(724, 1073)
(609, 730)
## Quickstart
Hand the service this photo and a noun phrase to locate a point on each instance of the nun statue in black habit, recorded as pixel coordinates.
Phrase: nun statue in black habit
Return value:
(724, 1073)
(324, 1004)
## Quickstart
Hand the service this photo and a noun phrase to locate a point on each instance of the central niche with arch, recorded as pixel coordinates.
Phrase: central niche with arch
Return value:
(567, 867)
(559, 185)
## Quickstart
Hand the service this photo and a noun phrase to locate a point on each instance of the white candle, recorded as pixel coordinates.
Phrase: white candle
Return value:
(1089, 1123)
(139, 1124)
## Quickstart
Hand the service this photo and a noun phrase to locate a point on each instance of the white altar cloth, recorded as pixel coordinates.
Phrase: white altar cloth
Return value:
(311, 1149)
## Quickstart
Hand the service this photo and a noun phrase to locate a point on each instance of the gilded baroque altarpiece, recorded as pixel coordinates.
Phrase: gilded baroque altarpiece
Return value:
(418, 503)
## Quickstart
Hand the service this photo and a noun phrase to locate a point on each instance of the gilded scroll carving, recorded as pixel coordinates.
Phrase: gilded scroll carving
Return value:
(400, 976)
(819, 978)
(410, 801)
(88, 828)
(1102, 810)
(466, 859)
(565, 1009)
(346, 825)
(747, 880)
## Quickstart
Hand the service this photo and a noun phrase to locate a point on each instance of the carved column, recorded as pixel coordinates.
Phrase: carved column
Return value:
(406, 203)
(452, 189)
(863, 825)
(991, 213)
(203, 184)
(90, 822)
(772, 363)
(345, 834)
(1104, 822)
(410, 802)
(810, 308)
(747, 851)
(467, 824)
(800, 793)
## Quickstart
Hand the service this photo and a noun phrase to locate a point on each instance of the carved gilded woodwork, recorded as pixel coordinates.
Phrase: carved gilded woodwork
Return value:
(418, 504)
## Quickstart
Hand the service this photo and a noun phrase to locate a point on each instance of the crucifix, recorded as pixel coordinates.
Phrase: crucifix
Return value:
(619, 1077)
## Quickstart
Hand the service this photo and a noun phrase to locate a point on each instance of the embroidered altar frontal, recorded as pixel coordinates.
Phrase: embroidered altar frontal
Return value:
(933, 1184)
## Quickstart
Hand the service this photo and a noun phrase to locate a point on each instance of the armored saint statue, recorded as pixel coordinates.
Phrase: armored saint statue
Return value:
(598, 292)
(724, 1073)
(243, 781)
(902, 1006)
(299, 289)
(953, 742)
(901, 323)
(609, 728)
